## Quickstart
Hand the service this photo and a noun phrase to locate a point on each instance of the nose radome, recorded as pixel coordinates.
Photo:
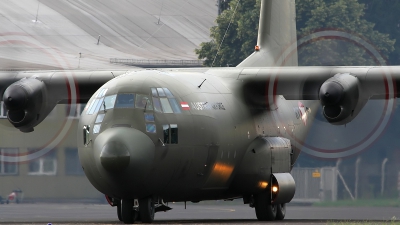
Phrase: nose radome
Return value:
(120, 149)
(114, 156)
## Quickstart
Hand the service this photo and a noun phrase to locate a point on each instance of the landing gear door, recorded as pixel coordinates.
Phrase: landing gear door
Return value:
(281, 154)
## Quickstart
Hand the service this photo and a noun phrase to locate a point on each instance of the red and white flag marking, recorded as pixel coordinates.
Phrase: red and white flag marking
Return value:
(185, 106)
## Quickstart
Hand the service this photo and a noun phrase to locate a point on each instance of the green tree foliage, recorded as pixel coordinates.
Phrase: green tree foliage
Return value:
(240, 38)
(346, 15)
(385, 14)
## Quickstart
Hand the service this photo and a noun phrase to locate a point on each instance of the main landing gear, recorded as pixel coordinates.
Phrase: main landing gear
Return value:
(146, 210)
(265, 210)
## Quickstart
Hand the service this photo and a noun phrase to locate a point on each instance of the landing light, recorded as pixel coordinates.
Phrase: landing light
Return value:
(274, 189)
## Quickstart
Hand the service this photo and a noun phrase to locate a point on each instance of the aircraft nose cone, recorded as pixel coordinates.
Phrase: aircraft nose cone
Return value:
(114, 156)
(124, 150)
(15, 97)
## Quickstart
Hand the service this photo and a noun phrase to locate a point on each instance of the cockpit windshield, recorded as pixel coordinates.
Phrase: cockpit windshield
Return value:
(143, 102)
(161, 101)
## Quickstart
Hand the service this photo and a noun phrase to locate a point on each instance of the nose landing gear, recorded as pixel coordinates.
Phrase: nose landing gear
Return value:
(131, 210)
(128, 213)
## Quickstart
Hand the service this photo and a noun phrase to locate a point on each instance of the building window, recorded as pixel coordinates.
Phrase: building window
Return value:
(3, 111)
(45, 165)
(72, 163)
(8, 168)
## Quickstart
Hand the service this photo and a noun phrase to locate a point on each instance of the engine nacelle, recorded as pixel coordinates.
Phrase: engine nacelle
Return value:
(26, 103)
(340, 98)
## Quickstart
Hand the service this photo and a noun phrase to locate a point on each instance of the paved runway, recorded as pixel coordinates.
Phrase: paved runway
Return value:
(194, 214)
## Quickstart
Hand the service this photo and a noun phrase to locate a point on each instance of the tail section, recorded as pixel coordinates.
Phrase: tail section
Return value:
(277, 39)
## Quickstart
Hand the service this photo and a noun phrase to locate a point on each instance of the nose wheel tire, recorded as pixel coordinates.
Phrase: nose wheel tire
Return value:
(127, 211)
(265, 211)
(146, 210)
(280, 212)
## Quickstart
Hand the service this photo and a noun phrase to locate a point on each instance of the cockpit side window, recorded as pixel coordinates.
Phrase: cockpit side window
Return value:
(160, 92)
(143, 101)
(109, 101)
(157, 105)
(170, 133)
(96, 101)
(99, 103)
(174, 133)
(125, 101)
(174, 105)
(164, 101)
(165, 105)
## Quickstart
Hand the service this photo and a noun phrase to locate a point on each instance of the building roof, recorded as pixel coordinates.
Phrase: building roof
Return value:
(66, 33)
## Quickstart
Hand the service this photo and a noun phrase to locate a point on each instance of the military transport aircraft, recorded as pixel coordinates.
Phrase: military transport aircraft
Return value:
(149, 137)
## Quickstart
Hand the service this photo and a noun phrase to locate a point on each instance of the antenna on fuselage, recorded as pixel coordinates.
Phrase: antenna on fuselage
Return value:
(202, 83)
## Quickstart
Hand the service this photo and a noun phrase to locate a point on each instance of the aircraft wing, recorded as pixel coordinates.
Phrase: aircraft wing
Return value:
(31, 96)
(342, 91)
(304, 83)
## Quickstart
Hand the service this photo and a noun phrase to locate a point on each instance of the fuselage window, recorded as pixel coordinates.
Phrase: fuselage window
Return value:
(125, 101)
(96, 128)
(150, 127)
(174, 133)
(109, 102)
(157, 105)
(143, 101)
(100, 118)
(149, 117)
(170, 133)
(166, 133)
(165, 105)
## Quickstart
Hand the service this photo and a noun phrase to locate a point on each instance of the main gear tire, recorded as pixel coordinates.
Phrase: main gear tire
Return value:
(280, 211)
(265, 211)
(127, 213)
(146, 210)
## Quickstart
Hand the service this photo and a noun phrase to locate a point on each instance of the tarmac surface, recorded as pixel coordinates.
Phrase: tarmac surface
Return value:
(194, 214)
